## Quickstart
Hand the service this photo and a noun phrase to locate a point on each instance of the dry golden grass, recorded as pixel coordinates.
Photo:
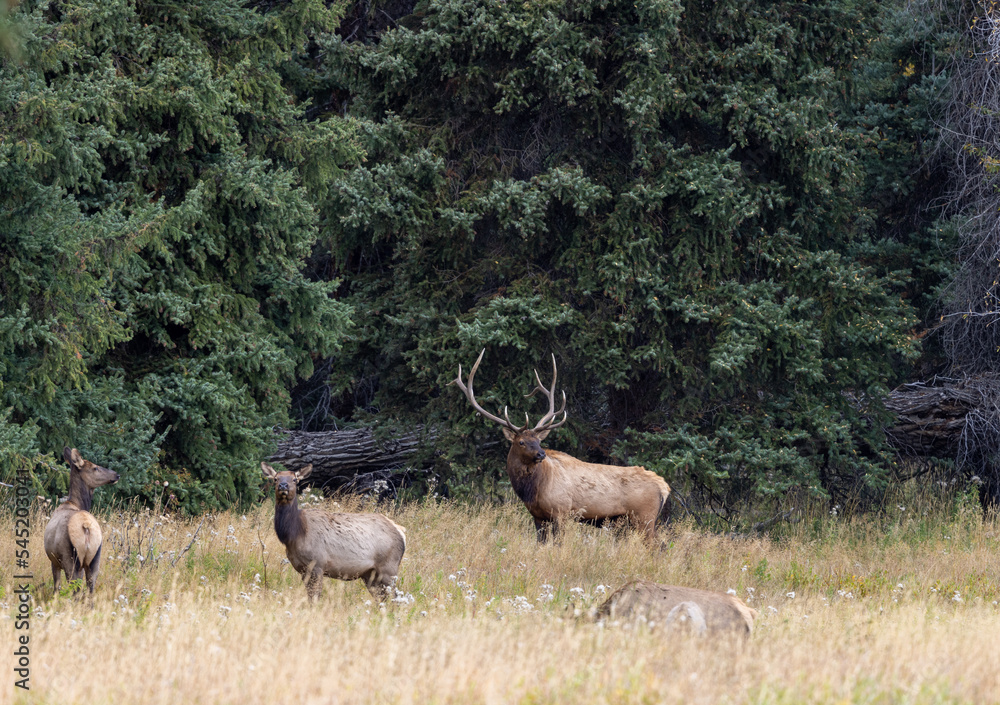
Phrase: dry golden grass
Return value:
(896, 610)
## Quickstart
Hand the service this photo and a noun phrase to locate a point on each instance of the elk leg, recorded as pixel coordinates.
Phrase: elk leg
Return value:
(91, 570)
(645, 525)
(379, 586)
(72, 569)
(56, 576)
(646, 528)
(313, 577)
(542, 527)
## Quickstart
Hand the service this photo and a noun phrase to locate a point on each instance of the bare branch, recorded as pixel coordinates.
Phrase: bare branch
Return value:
(188, 547)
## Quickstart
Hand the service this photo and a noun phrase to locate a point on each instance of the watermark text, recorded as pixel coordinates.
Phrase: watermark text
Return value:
(23, 496)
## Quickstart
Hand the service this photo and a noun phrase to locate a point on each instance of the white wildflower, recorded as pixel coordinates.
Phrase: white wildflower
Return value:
(522, 604)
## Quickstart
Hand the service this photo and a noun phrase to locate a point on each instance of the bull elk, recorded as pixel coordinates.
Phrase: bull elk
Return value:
(555, 486)
(73, 535)
(335, 544)
(701, 611)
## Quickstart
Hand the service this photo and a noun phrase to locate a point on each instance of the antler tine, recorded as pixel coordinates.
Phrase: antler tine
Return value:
(471, 395)
(512, 426)
(544, 423)
(562, 410)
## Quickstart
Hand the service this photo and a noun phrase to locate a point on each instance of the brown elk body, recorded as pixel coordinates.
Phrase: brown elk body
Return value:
(338, 545)
(555, 486)
(73, 535)
(701, 610)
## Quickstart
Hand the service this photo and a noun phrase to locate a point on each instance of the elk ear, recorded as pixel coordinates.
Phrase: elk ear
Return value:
(72, 456)
(508, 434)
(543, 434)
(268, 471)
(304, 472)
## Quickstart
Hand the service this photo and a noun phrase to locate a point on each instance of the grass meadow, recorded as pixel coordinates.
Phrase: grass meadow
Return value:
(900, 608)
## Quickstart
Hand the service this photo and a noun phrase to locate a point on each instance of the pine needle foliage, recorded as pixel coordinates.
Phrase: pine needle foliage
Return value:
(154, 186)
(664, 195)
(711, 213)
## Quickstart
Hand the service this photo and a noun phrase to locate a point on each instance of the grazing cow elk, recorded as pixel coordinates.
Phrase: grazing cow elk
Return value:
(73, 535)
(700, 610)
(554, 485)
(334, 544)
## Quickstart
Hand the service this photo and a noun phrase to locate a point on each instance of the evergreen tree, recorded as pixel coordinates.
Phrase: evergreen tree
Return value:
(663, 195)
(156, 214)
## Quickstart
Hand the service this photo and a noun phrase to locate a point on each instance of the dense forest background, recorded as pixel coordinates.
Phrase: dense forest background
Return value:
(736, 225)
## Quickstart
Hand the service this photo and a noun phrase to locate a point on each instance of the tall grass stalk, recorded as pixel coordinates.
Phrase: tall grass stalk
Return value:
(898, 608)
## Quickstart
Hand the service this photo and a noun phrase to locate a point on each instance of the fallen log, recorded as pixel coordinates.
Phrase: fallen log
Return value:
(957, 419)
(932, 419)
(355, 459)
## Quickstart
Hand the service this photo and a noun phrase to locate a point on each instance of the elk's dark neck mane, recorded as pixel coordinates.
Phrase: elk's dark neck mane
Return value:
(79, 494)
(523, 478)
(288, 521)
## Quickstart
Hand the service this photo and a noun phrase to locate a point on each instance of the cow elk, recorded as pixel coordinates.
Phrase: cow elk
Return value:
(699, 611)
(555, 486)
(338, 545)
(73, 535)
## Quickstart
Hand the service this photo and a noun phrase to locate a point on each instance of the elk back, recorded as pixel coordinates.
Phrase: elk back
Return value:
(657, 603)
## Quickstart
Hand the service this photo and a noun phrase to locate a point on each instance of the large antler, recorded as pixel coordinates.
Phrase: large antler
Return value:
(470, 395)
(545, 423)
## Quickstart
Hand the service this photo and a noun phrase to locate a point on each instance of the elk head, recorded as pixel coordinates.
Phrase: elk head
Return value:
(525, 442)
(286, 483)
(93, 475)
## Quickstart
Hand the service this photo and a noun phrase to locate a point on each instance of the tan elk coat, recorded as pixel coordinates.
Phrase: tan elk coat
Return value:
(560, 487)
(709, 611)
(339, 545)
(556, 486)
(73, 537)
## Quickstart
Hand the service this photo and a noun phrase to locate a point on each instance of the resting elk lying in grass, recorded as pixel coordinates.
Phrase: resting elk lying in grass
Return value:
(334, 544)
(555, 486)
(701, 611)
(73, 535)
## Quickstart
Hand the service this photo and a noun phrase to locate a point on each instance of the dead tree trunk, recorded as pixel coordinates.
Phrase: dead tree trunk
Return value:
(355, 459)
(930, 419)
(949, 418)
(956, 419)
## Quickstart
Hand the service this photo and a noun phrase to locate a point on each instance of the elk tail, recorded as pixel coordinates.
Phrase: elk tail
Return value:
(401, 530)
(83, 549)
(663, 515)
(85, 537)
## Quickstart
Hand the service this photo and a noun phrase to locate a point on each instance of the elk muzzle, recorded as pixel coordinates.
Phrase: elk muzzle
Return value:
(284, 490)
(100, 476)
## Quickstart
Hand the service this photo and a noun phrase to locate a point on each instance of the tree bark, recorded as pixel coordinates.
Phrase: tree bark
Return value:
(931, 419)
(953, 419)
(354, 459)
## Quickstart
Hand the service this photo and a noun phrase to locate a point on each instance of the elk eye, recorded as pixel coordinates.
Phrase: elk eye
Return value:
(521, 443)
